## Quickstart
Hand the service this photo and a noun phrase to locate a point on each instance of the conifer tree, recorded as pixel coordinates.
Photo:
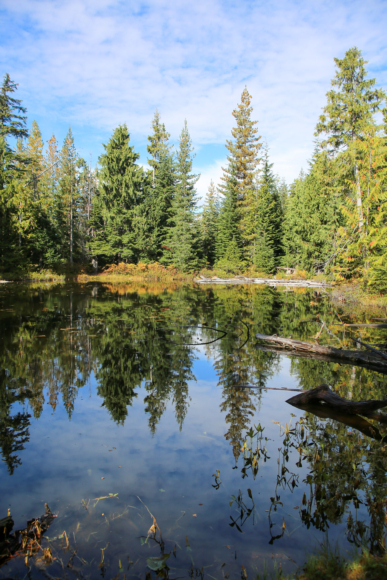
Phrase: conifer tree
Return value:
(312, 216)
(35, 229)
(68, 201)
(228, 221)
(347, 116)
(121, 191)
(209, 223)
(159, 207)
(268, 243)
(183, 235)
(12, 164)
(158, 145)
(243, 160)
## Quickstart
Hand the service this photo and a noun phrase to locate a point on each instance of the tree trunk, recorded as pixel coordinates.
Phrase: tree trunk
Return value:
(358, 198)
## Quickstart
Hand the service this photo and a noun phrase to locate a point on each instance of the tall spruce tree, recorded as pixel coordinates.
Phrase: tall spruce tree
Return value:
(267, 247)
(160, 205)
(117, 203)
(183, 236)
(347, 116)
(209, 224)
(228, 221)
(68, 202)
(243, 160)
(158, 145)
(156, 210)
(12, 165)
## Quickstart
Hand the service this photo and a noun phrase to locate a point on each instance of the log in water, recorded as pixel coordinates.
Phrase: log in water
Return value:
(354, 356)
(323, 395)
(266, 281)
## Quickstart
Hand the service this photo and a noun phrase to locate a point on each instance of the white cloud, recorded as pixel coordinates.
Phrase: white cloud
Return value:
(209, 173)
(98, 63)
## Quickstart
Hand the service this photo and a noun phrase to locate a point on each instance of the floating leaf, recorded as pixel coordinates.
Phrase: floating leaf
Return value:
(157, 563)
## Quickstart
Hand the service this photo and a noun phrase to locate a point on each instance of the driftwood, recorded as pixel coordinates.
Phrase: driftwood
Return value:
(342, 355)
(323, 395)
(266, 281)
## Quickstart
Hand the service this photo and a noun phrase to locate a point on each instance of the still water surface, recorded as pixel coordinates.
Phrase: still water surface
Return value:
(131, 394)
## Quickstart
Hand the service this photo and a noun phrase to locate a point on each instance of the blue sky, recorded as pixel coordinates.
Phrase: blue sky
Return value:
(93, 64)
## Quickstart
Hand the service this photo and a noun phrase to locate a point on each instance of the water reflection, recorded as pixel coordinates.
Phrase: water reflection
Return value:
(54, 340)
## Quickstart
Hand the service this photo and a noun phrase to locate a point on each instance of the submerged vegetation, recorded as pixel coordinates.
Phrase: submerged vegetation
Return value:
(59, 215)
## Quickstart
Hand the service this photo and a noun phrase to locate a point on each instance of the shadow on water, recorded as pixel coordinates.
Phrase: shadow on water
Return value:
(138, 352)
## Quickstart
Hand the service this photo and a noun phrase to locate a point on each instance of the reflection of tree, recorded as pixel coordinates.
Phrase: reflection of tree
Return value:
(144, 343)
(354, 473)
(39, 354)
(13, 428)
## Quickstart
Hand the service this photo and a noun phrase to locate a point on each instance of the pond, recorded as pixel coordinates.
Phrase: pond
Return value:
(126, 410)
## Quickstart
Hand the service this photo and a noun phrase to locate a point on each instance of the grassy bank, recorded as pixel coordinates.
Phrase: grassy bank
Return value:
(115, 273)
(356, 296)
(349, 295)
(328, 564)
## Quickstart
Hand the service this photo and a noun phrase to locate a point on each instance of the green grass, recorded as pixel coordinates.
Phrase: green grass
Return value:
(327, 563)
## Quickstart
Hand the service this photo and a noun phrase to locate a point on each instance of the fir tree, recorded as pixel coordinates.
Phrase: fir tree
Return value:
(312, 216)
(158, 145)
(209, 223)
(268, 244)
(228, 222)
(12, 165)
(67, 204)
(117, 203)
(348, 114)
(243, 160)
(12, 113)
(183, 234)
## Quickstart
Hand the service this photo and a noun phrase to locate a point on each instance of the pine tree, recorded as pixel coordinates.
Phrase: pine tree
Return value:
(183, 234)
(209, 223)
(117, 202)
(158, 145)
(347, 116)
(243, 160)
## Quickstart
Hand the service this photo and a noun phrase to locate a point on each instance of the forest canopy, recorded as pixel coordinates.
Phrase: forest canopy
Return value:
(57, 213)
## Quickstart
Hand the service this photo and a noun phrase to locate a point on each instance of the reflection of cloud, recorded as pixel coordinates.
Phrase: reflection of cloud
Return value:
(98, 63)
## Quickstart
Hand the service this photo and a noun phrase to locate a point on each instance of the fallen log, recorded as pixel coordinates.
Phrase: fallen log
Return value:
(362, 325)
(355, 356)
(323, 357)
(265, 281)
(379, 352)
(323, 395)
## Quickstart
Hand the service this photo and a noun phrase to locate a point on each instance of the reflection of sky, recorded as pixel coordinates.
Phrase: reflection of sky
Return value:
(172, 472)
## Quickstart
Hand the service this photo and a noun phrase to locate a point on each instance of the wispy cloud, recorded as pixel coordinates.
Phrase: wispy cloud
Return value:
(97, 63)
(208, 173)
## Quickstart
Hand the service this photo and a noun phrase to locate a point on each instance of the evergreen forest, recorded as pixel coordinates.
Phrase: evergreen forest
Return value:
(59, 214)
